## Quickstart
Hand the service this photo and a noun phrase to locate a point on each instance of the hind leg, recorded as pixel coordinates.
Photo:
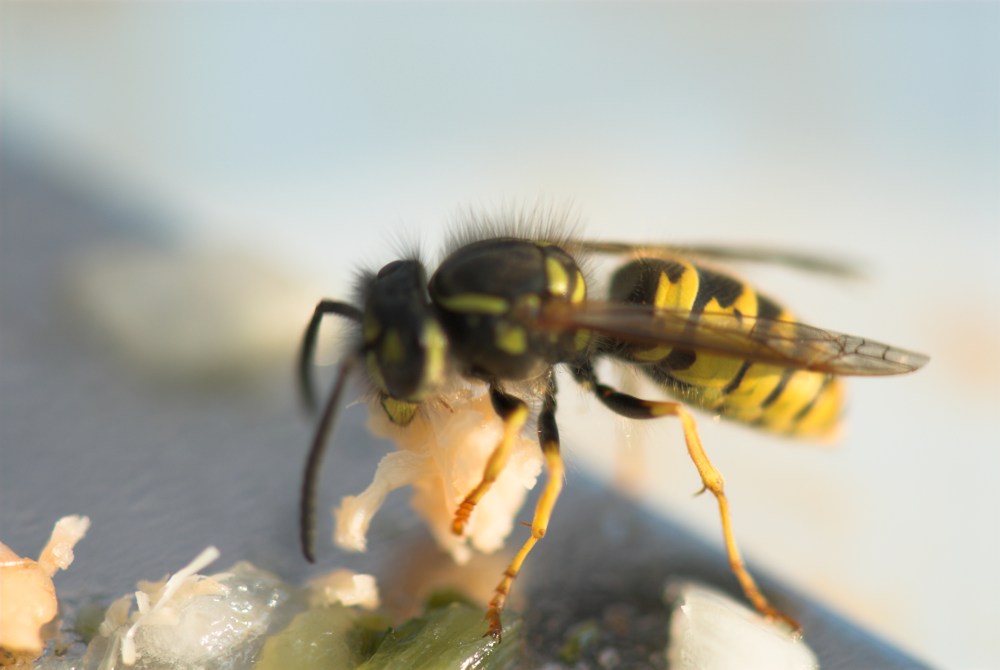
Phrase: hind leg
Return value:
(638, 408)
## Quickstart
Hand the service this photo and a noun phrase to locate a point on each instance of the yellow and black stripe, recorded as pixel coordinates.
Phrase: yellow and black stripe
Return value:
(772, 397)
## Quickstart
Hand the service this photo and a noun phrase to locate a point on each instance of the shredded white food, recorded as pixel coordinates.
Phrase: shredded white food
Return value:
(395, 470)
(442, 454)
(189, 620)
(208, 556)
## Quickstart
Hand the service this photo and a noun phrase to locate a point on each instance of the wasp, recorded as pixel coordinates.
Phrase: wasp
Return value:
(508, 310)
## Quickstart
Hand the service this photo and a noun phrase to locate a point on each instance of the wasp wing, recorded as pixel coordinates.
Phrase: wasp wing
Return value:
(793, 259)
(754, 339)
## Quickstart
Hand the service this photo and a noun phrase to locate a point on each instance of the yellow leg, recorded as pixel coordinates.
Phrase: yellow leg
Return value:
(712, 481)
(539, 524)
(638, 408)
(514, 414)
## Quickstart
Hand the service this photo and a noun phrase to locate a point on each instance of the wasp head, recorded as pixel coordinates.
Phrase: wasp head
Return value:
(404, 346)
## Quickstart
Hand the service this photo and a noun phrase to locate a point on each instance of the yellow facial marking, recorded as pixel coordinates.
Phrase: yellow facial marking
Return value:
(581, 339)
(474, 303)
(392, 351)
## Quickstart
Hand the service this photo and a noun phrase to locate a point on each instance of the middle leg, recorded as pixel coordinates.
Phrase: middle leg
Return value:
(514, 413)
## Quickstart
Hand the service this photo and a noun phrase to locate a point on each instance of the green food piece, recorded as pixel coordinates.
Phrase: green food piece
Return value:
(578, 639)
(323, 638)
(446, 596)
(447, 637)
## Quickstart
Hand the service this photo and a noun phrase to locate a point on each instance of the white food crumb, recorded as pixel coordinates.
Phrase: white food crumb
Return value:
(180, 579)
(188, 620)
(27, 595)
(345, 587)
(711, 631)
(58, 553)
(442, 454)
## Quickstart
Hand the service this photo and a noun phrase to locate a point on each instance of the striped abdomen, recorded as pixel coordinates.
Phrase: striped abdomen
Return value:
(772, 397)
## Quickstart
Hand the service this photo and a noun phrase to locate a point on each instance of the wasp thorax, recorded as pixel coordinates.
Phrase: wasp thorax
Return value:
(404, 345)
(488, 293)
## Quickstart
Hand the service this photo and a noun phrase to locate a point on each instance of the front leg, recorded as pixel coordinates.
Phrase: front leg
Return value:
(514, 413)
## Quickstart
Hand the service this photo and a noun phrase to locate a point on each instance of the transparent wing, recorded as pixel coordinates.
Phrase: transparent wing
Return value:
(793, 259)
(784, 343)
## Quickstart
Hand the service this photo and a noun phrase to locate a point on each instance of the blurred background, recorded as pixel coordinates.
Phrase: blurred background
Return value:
(181, 183)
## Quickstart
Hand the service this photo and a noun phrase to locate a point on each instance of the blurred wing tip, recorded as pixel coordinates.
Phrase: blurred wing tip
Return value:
(888, 361)
(911, 361)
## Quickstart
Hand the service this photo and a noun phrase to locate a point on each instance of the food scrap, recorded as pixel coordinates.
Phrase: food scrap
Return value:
(188, 619)
(441, 454)
(27, 594)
